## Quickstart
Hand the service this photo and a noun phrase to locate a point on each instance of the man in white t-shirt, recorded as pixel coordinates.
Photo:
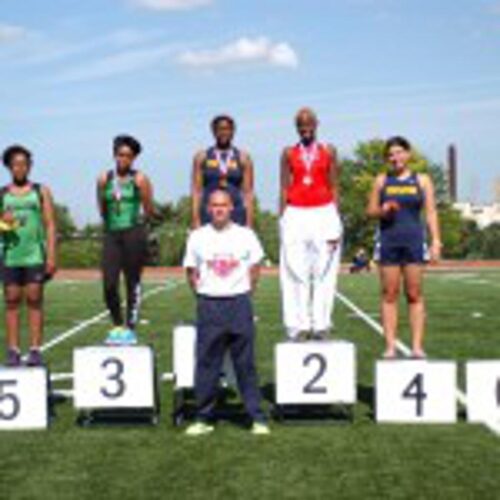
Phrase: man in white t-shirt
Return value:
(222, 261)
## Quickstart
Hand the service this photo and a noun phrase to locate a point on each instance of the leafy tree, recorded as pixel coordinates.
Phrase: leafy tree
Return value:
(66, 226)
(266, 226)
(490, 242)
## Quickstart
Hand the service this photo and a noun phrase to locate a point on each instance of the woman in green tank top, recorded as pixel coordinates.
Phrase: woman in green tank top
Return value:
(121, 193)
(28, 233)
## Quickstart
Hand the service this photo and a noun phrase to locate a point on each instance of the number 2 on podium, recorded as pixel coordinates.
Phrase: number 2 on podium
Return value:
(310, 387)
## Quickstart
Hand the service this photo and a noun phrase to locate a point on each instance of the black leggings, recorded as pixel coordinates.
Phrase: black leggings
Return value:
(123, 251)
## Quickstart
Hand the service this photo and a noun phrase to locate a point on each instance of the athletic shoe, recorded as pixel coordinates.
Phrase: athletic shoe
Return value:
(260, 429)
(199, 429)
(114, 336)
(418, 355)
(321, 335)
(34, 358)
(128, 337)
(390, 354)
(300, 337)
(13, 358)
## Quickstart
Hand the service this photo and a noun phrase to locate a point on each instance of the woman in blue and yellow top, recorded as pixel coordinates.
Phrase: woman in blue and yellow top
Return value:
(397, 200)
(121, 192)
(223, 166)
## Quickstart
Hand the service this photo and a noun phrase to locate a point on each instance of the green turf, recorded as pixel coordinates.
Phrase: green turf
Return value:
(358, 460)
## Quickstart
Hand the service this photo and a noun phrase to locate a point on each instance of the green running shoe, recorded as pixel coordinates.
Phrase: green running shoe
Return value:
(114, 336)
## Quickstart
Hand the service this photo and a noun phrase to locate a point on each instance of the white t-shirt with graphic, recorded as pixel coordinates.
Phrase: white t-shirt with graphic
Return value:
(223, 259)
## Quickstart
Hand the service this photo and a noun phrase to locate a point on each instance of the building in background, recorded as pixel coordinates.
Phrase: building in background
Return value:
(483, 214)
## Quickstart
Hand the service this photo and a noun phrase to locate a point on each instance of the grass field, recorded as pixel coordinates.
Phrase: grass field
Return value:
(357, 460)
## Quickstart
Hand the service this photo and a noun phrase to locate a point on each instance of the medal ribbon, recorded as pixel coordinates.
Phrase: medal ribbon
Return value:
(309, 155)
(224, 158)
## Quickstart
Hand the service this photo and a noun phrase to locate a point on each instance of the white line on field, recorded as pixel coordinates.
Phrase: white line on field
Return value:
(404, 349)
(95, 319)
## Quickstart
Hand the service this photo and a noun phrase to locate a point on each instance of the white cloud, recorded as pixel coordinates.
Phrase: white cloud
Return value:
(243, 51)
(172, 4)
(117, 64)
(10, 33)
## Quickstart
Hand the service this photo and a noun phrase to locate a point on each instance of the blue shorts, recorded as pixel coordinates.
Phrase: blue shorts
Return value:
(22, 276)
(401, 255)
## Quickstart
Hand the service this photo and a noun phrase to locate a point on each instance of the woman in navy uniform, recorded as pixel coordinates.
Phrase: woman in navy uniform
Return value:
(397, 200)
(223, 166)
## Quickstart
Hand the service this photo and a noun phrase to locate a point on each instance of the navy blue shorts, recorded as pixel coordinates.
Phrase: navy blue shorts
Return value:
(401, 255)
(22, 276)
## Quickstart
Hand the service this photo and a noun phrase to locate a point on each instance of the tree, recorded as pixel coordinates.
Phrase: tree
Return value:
(266, 226)
(490, 242)
(66, 226)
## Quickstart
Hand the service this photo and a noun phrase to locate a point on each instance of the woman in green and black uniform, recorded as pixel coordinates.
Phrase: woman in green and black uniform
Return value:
(28, 231)
(121, 193)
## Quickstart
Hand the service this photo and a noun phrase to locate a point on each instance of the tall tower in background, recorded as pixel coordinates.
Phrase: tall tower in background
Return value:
(452, 173)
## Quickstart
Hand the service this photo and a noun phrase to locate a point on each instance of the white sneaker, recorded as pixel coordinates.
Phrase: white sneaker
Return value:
(260, 429)
(199, 429)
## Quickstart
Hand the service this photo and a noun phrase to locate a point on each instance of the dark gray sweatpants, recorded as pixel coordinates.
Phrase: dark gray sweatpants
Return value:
(226, 323)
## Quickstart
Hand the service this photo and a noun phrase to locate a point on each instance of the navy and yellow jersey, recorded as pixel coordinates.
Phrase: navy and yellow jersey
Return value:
(404, 226)
(223, 169)
(401, 236)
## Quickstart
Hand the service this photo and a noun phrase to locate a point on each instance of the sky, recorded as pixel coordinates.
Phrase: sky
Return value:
(77, 73)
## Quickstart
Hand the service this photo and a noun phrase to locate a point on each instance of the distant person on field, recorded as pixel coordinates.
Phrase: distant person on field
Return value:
(360, 262)
(397, 200)
(28, 231)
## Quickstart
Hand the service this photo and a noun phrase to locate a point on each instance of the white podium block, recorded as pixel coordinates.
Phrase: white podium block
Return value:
(416, 391)
(184, 362)
(23, 398)
(184, 353)
(114, 378)
(483, 391)
(315, 373)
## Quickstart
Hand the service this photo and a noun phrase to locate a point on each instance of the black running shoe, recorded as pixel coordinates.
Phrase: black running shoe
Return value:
(34, 358)
(13, 358)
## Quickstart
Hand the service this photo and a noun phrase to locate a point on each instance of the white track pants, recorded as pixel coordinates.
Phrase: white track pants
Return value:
(309, 267)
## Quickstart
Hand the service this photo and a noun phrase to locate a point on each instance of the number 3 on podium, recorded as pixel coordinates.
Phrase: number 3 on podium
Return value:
(114, 369)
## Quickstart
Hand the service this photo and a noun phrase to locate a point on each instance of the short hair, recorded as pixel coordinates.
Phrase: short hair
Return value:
(399, 141)
(129, 141)
(16, 149)
(222, 118)
(223, 191)
(306, 111)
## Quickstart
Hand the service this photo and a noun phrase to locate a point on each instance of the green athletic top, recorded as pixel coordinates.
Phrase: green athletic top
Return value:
(25, 245)
(122, 202)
